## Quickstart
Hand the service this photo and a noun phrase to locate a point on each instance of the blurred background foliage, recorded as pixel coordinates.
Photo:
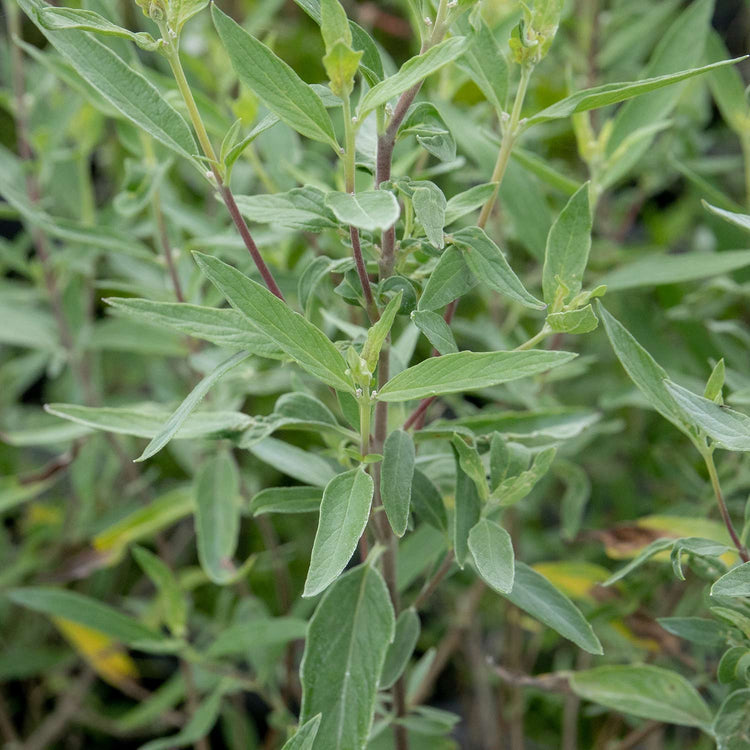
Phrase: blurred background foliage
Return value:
(73, 503)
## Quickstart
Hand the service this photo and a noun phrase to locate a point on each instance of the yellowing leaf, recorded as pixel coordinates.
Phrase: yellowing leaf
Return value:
(107, 657)
(575, 579)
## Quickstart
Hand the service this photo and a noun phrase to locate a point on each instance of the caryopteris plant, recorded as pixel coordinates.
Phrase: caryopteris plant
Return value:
(332, 441)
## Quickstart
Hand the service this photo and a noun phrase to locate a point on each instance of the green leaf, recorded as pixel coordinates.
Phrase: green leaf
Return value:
(424, 121)
(372, 65)
(85, 611)
(467, 510)
(274, 82)
(229, 158)
(186, 408)
(223, 327)
(568, 245)
(732, 722)
(515, 488)
(300, 209)
(734, 583)
(427, 502)
(727, 86)
(534, 594)
(289, 459)
(286, 500)
(681, 45)
(255, 635)
(488, 264)
(339, 676)
(611, 93)
(147, 421)
(467, 201)
(371, 210)
(658, 545)
(217, 516)
(438, 332)
(471, 462)
(341, 64)
(173, 604)
(396, 476)
(645, 691)
(198, 727)
(411, 73)
(739, 220)
(334, 25)
(464, 371)
(451, 278)
(643, 370)
(87, 20)
(344, 512)
(126, 89)
(729, 428)
(485, 63)
(583, 320)
(492, 550)
(378, 333)
(655, 270)
(300, 339)
(700, 630)
(304, 737)
(429, 206)
(402, 647)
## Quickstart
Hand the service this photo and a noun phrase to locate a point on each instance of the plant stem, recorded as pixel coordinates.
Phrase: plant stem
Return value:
(509, 138)
(708, 457)
(160, 223)
(534, 340)
(349, 157)
(435, 581)
(173, 56)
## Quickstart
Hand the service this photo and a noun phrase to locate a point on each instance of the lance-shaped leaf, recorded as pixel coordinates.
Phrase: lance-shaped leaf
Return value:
(412, 72)
(275, 83)
(88, 20)
(739, 220)
(147, 421)
(451, 278)
(734, 583)
(467, 201)
(732, 721)
(488, 264)
(300, 339)
(85, 611)
(646, 691)
(220, 326)
(198, 727)
(485, 63)
(344, 511)
(371, 210)
(438, 332)
(173, 604)
(286, 500)
(612, 93)
(300, 208)
(304, 737)
(344, 652)
(429, 207)
(396, 475)
(643, 370)
(655, 270)
(680, 46)
(400, 651)
(217, 516)
(466, 371)
(468, 508)
(186, 408)
(126, 89)
(492, 550)
(378, 333)
(534, 594)
(568, 245)
(729, 428)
